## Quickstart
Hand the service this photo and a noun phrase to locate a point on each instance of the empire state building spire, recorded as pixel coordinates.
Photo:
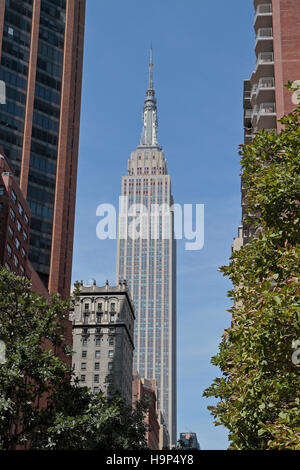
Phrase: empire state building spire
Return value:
(149, 133)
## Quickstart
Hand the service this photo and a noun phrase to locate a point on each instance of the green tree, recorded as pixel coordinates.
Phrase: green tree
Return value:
(259, 391)
(42, 405)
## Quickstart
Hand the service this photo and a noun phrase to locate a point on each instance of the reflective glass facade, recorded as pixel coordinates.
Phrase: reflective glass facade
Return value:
(41, 64)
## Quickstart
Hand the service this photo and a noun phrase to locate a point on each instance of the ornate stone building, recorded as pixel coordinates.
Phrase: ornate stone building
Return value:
(103, 326)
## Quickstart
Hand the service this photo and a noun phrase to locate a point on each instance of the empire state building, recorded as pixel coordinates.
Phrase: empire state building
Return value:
(147, 261)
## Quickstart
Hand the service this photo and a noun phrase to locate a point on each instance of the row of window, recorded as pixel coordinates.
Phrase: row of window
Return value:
(42, 165)
(41, 211)
(45, 122)
(17, 36)
(111, 342)
(46, 94)
(100, 306)
(97, 366)
(13, 79)
(14, 65)
(15, 50)
(99, 318)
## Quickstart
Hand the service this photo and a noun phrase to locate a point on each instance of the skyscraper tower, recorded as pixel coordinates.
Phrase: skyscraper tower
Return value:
(266, 99)
(148, 263)
(41, 55)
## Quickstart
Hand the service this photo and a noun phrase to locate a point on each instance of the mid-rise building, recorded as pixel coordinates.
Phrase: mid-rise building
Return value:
(266, 99)
(147, 389)
(147, 260)
(15, 218)
(103, 328)
(41, 55)
(188, 440)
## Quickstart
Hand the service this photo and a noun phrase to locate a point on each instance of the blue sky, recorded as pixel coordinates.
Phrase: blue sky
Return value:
(202, 53)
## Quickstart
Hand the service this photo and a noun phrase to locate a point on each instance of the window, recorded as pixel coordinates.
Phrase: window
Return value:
(110, 354)
(12, 214)
(96, 378)
(86, 319)
(99, 317)
(19, 226)
(20, 209)
(22, 270)
(98, 342)
(99, 307)
(16, 261)
(111, 341)
(84, 342)
(112, 318)
(82, 378)
(97, 354)
(25, 236)
(17, 243)
(83, 366)
(23, 253)
(96, 390)
(97, 365)
(26, 219)
(110, 366)
(84, 354)
(1, 190)
(9, 250)
(113, 307)
(13, 196)
(10, 232)
(86, 306)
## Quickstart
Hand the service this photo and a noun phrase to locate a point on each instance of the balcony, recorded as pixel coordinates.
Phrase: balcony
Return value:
(264, 40)
(260, 2)
(266, 117)
(264, 65)
(263, 16)
(265, 90)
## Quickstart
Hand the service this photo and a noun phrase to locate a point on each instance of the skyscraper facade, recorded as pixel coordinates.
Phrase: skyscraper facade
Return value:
(41, 56)
(266, 99)
(148, 262)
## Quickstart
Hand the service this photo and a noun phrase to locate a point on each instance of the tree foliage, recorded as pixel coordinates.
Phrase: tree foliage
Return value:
(259, 391)
(42, 405)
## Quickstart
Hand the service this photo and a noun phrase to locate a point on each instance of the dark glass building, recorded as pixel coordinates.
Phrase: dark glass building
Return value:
(188, 440)
(41, 55)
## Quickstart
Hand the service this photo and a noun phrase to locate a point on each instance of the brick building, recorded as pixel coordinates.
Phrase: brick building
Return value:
(15, 219)
(142, 388)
